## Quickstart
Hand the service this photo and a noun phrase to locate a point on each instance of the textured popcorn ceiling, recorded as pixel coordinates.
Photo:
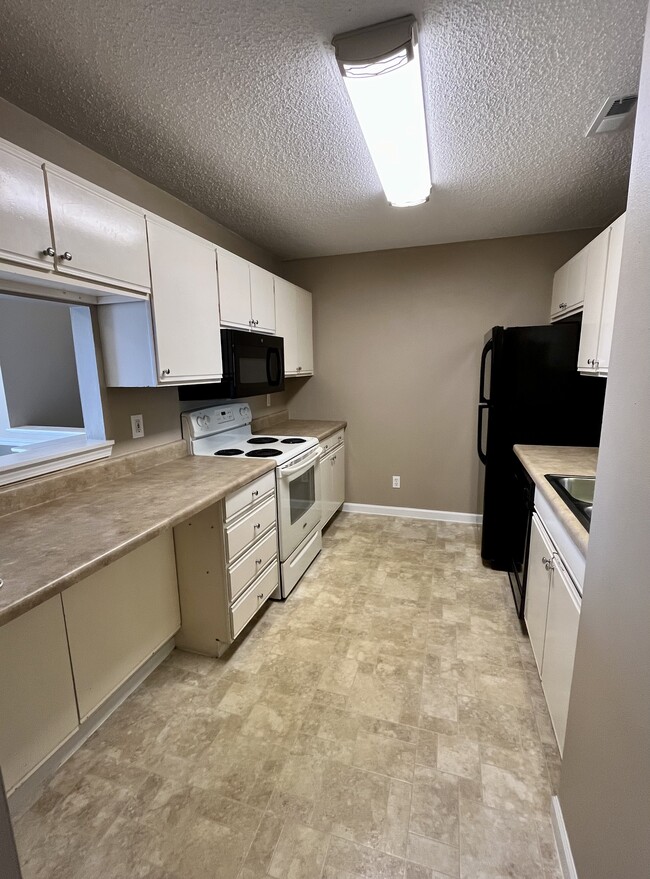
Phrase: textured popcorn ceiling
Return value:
(238, 109)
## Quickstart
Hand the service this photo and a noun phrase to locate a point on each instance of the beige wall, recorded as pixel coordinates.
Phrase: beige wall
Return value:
(158, 406)
(39, 372)
(605, 784)
(398, 336)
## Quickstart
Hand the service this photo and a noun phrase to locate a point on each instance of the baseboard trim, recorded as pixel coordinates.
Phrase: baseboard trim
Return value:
(414, 513)
(562, 840)
(29, 789)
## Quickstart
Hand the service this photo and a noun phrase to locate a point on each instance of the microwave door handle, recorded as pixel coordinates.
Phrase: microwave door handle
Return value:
(273, 354)
(303, 467)
(481, 390)
(482, 407)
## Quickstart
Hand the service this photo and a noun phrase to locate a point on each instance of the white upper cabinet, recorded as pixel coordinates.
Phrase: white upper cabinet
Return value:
(24, 220)
(185, 304)
(174, 339)
(601, 290)
(569, 286)
(262, 299)
(293, 321)
(246, 294)
(97, 236)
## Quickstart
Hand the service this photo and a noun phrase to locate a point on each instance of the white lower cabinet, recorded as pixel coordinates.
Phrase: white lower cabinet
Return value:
(552, 614)
(332, 471)
(37, 701)
(118, 617)
(227, 564)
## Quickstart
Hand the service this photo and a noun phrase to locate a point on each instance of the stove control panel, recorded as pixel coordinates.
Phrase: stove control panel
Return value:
(215, 419)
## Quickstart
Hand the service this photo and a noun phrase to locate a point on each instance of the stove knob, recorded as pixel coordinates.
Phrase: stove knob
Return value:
(242, 411)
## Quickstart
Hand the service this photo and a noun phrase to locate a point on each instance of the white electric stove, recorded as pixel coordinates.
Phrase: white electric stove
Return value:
(225, 432)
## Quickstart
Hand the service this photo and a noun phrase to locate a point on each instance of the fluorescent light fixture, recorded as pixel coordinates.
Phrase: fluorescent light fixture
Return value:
(381, 70)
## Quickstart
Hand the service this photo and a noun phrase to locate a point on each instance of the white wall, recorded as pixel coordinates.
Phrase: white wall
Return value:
(38, 366)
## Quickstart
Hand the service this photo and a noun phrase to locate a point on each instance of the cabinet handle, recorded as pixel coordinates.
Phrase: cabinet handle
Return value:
(165, 372)
(257, 526)
(258, 561)
(255, 493)
(563, 305)
(596, 363)
(298, 368)
(67, 256)
(49, 251)
(260, 595)
(589, 361)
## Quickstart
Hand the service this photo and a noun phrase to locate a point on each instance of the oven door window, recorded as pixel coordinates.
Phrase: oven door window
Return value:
(302, 495)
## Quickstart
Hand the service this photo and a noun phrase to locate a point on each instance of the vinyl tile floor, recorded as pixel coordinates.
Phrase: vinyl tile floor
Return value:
(386, 722)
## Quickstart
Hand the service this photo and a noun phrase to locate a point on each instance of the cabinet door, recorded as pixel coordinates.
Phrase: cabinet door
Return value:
(538, 584)
(304, 332)
(559, 299)
(560, 647)
(262, 299)
(37, 703)
(119, 616)
(338, 477)
(593, 306)
(327, 487)
(234, 290)
(24, 219)
(286, 323)
(105, 238)
(575, 292)
(617, 231)
(185, 305)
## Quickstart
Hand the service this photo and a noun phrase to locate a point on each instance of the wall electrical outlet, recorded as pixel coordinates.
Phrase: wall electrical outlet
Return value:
(137, 426)
(396, 480)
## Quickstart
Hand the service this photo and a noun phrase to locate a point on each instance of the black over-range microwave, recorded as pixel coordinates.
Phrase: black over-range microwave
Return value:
(253, 363)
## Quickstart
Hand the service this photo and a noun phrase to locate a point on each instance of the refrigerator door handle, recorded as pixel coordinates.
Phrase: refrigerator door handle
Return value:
(481, 390)
(483, 407)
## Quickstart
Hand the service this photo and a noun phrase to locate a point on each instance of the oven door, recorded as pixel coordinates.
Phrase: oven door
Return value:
(299, 509)
(257, 364)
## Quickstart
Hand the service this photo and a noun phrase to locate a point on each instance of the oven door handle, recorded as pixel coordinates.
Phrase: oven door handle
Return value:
(303, 467)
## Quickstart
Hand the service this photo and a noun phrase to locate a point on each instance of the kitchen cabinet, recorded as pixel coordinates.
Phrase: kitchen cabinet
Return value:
(37, 700)
(569, 286)
(293, 320)
(560, 647)
(538, 584)
(227, 563)
(118, 617)
(96, 235)
(246, 294)
(332, 470)
(175, 338)
(25, 235)
(600, 303)
(552, 613)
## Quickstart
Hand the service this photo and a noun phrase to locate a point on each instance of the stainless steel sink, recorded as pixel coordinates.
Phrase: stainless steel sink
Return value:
(577, 492)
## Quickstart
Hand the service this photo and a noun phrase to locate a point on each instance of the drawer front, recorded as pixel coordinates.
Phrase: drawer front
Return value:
(332, 441)
(251, 601)
(254, 561)
(248, 495)
(248, 529)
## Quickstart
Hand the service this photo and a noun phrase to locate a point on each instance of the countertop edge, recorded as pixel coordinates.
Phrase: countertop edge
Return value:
(56, 587)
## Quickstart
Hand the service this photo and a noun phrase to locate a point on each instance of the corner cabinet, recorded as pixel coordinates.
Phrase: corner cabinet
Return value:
(293, 321)
(332, 473)
(552, 614)
(246, 294)
(175, 338)
(601, 291)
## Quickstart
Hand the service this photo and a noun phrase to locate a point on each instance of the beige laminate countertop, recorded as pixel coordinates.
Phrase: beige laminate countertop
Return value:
(562, 460)
(304, 427)
(46, 548)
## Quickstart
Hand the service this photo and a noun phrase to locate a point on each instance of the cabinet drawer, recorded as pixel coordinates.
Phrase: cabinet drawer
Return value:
(254, 598)
(248, 495)
(332, 441)
(249, 566)
(248, 529)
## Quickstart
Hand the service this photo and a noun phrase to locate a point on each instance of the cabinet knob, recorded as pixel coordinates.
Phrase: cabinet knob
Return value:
(563, 305)
(258, 561)
(546, 561)
(49, 251)
(165, 372)
(298, 368)
(67, 256)
(260, 595)
(257, 526)
(255, 493)
(596, 363)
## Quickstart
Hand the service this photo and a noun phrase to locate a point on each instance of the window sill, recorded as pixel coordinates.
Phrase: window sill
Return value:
(27, 452)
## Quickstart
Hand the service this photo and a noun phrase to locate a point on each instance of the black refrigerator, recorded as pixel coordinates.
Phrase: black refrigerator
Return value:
(530, 392)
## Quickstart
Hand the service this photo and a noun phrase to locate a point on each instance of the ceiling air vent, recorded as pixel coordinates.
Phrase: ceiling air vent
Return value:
(615, 114)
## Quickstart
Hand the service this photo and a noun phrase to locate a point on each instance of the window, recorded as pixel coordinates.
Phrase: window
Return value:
(50, 407)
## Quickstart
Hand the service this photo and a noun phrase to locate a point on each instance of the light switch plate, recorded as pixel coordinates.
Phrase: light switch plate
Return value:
(137, 426)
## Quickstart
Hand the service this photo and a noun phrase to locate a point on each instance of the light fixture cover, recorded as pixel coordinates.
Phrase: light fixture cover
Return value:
(381, 70)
